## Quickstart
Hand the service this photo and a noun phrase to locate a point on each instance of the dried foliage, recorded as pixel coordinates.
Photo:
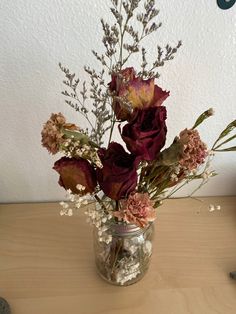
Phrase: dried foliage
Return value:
(120, 40)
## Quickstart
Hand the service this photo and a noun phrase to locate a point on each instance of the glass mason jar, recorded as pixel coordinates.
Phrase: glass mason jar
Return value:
(125, 259)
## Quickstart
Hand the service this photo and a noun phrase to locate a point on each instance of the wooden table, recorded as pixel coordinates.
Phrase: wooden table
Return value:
(46, 262)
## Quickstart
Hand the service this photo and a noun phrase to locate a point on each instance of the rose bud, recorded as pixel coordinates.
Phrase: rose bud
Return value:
(118, 177)
(132, 92)
(145, 134)
(74, 172)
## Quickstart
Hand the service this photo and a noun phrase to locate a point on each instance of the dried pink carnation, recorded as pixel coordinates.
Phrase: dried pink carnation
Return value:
(137, 209)
(52, 135)
(194, 150)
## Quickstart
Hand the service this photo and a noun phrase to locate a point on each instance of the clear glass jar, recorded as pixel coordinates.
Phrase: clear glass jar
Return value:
(124, 260)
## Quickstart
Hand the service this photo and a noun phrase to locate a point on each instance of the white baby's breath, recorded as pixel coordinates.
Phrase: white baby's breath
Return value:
(100, 219)
(211, 208)
(74, 201)
(214, 207)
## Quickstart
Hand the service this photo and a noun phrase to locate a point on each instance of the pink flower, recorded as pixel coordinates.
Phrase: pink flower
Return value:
(52, 135)
(194, 150)
(137, 209)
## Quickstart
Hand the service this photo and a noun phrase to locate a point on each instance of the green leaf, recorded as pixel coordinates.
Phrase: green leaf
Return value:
(83, 138)
(206, 114)
(172, 154)
(226, 131)
(226, 141)
(229, 149)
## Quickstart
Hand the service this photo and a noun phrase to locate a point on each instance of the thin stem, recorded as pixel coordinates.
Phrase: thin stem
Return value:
(198, 188)
(177, 189)
(139, 41)
(82, 105)
(101, 203)
(116, 255)
(112, 128)
(123, 34)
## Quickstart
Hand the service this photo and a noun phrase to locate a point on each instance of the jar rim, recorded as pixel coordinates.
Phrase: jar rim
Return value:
(123, 228)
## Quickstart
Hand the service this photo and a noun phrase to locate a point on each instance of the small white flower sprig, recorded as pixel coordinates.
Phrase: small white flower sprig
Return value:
(100, 219)
(74, 147)
(98, 215)
(212, 207)
(74, 201)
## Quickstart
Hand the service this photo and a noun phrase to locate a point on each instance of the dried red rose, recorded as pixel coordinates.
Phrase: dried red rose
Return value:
(145, 133)
(118, 177)
(76, 171)
(132, 92)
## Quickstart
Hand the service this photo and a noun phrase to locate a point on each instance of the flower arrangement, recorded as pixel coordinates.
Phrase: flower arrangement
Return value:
(128, 182)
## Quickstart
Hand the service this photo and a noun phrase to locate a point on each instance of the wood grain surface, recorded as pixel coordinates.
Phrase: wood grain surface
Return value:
(47, 266)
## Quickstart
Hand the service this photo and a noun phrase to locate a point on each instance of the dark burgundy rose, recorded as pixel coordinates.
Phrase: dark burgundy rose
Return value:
(145, 134)
(76, 171)
(118, 177)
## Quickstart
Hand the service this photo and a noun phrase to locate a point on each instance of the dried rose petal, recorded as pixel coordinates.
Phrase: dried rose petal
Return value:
(145, 133)
(118, 176)
(74, 172)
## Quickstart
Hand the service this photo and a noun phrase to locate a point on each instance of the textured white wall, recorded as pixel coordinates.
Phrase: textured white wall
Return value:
(36, 35)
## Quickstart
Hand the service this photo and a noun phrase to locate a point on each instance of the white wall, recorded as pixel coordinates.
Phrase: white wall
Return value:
(36, 35)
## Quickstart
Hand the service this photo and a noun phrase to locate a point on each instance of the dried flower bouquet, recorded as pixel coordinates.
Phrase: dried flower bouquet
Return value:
(133, 181)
